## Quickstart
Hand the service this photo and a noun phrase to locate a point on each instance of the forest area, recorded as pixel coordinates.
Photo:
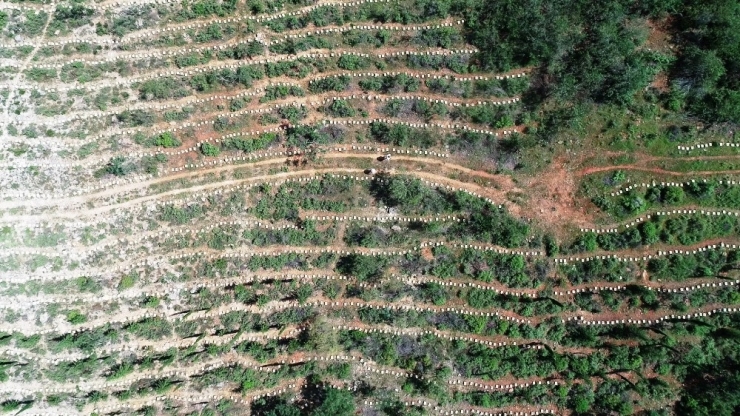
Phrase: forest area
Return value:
(588, 54)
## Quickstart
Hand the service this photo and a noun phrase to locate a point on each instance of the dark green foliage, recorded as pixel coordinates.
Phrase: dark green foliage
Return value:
(178, 215)
(41, 74)
(305, 136)
(321, 16)
(434, 293)
(87, 284)
(150, 328)
(722, 105)
(211, 33)
(166, 139)
(324, 401)
(391, 84)
(75, 317)
(445, 37)
(191, 59)
(494, 116)
(509, 269)
(594, 270)
(209, 150)
(393, 108)
(352, 62)
(709, 193)
(459, 63)
(707, 68)
(409, 195)
(498, 227)
(326, 194)
(224, 78)
(250, 144)
(207, 8)
(72, 16)
(162, 88)
(117, 166)
(479, 298)
(400, 135)
(22, 341)
(293, 113)
(305, 236)
(337, 83)
(278, 92)
(74, 370)
(293, 46)
(298, 69)
(340, 108)
(680, 267)
(686, 229)
(86, 341)
(363, 37)
(150, 164)
(135, 118)
(588, 49)
(33, 24)
(127, 21)
(364, 268)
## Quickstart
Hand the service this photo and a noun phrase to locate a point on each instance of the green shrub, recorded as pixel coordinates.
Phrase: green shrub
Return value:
(341, 108)
(127, 282)
(167, 139)
(41, 74)
(336, 83)
(209, 149)
(352, 62)
(75, 317)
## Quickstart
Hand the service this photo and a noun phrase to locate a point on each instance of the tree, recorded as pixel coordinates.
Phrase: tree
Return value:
(586, 242)
(673, 195)
(336, 403)
(649, 233)
(722, 105)
(699, 70)
(362, 267)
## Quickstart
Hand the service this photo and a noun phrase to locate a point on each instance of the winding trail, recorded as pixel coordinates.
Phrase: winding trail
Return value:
(117, 191)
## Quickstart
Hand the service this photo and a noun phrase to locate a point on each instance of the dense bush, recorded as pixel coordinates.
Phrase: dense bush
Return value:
(340, 108)
(352, 62)
(281, 91)
(391, 84)
(337, 83)
(638, 200)
(70, 17)
(364, 268)
(162, 88)
(685, 229)
(250, 144)
(209, 150)
(404, 136)
(599, 62)
(679, 267)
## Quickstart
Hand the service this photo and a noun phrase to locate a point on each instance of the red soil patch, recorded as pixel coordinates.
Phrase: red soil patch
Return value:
(554, 197)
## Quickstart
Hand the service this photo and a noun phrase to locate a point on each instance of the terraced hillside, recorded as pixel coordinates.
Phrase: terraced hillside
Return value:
(375, 207)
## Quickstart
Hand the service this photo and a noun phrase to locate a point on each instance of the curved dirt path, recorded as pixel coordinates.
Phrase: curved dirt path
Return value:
(597, 169)
(5, 205)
